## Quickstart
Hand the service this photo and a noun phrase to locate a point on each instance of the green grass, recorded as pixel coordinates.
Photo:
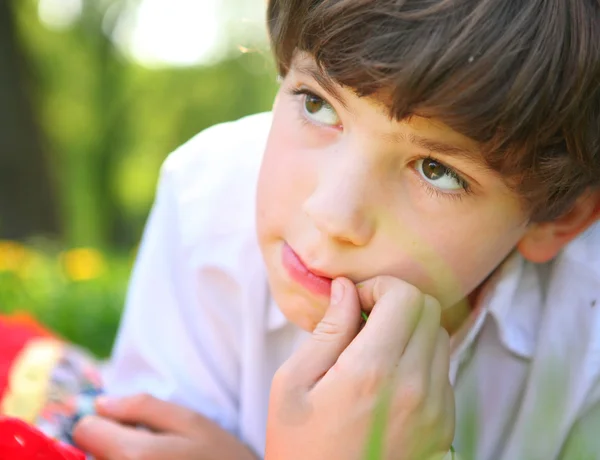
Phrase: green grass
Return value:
(78, 294)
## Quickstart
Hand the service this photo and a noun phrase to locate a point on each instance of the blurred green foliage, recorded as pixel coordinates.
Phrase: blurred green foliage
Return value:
(110, 122)
(78, 293)
(107, 125)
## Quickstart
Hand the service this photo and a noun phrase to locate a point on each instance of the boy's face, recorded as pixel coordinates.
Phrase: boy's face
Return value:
(345, 191)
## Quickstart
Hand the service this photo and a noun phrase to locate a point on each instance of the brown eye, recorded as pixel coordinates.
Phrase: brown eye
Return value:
(319, 110)
(433, 170)
(440, 175)
(313, 103)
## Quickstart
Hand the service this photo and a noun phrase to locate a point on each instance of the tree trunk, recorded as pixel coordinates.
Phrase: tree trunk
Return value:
(27, 199)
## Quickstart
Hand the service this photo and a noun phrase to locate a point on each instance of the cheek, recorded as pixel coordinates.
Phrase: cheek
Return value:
(470, 252)
(285, 175)
(449, 257)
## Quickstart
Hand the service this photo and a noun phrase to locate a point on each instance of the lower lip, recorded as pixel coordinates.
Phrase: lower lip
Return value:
(298, 272)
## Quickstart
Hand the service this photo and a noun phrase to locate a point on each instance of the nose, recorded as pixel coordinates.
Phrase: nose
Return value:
(338, 205)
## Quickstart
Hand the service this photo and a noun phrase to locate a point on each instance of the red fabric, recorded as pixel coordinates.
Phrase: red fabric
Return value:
(15, 332)
(19, 441)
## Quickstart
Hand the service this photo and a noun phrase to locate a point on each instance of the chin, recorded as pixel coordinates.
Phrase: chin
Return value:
(296, 304)
(299, 310)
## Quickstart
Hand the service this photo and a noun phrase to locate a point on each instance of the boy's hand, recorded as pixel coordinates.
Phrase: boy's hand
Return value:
(326, 398)
(177, 433)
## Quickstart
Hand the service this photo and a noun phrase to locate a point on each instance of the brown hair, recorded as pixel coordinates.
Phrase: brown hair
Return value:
(521, 77)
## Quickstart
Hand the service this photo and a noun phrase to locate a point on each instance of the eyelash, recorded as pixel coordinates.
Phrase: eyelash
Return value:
(431, 190)
(436, 192)
(299, 95)
(302, 92)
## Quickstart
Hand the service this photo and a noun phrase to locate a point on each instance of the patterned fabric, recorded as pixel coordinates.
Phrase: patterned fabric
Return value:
(44, 381)
(73, 385)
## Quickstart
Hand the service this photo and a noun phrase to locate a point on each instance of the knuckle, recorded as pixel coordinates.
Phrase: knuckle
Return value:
(327, 330)
(344, 365)
(368, 380)
(433, 413)
(412, 395)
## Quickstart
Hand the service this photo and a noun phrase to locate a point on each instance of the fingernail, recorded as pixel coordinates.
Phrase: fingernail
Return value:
(106, 403)
(337, 292)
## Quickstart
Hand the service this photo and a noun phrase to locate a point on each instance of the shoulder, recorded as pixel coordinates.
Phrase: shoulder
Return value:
(548, 319)
(550, 313)
(582, 265)
(570, 326)
(212, 178)
(584, 252)
(223, 144)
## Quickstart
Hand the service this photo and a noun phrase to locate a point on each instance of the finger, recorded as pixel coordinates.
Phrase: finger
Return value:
(440, 366)
(151, 412)
(331, 336)
(450, 417)
(419, 352)
(395, 311)
(373, 289)
(108, 440)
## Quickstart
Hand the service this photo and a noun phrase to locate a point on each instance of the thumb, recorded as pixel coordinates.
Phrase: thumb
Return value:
(330, 338)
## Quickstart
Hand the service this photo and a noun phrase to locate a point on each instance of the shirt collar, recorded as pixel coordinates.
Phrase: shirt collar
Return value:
(515, 296)
(515, 301)
(489, 304)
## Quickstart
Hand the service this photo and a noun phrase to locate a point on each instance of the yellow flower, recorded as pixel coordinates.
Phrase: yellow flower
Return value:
(13, 256)
(83, 264)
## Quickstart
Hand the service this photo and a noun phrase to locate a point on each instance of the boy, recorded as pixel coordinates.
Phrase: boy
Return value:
(433, 163)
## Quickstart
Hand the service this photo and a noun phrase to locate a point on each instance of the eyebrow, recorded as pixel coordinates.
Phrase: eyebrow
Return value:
(310, 69)
(440, 148)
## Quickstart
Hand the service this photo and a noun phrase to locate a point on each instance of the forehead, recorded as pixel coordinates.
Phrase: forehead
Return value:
(427, 133)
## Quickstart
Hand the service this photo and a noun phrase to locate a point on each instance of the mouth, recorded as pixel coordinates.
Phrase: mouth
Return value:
(314, 281)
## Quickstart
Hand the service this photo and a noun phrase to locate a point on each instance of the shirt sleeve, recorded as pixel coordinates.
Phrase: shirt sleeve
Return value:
(171, 344)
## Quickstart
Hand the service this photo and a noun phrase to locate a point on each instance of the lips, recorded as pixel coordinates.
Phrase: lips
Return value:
(314, 281)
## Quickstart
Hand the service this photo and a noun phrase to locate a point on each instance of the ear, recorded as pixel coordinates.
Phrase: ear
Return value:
(543, 241)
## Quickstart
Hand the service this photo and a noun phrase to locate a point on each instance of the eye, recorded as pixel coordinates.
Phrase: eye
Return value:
(440, 175)
(319, 110)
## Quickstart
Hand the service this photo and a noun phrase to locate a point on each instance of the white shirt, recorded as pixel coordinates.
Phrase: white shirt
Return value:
(200, 328)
